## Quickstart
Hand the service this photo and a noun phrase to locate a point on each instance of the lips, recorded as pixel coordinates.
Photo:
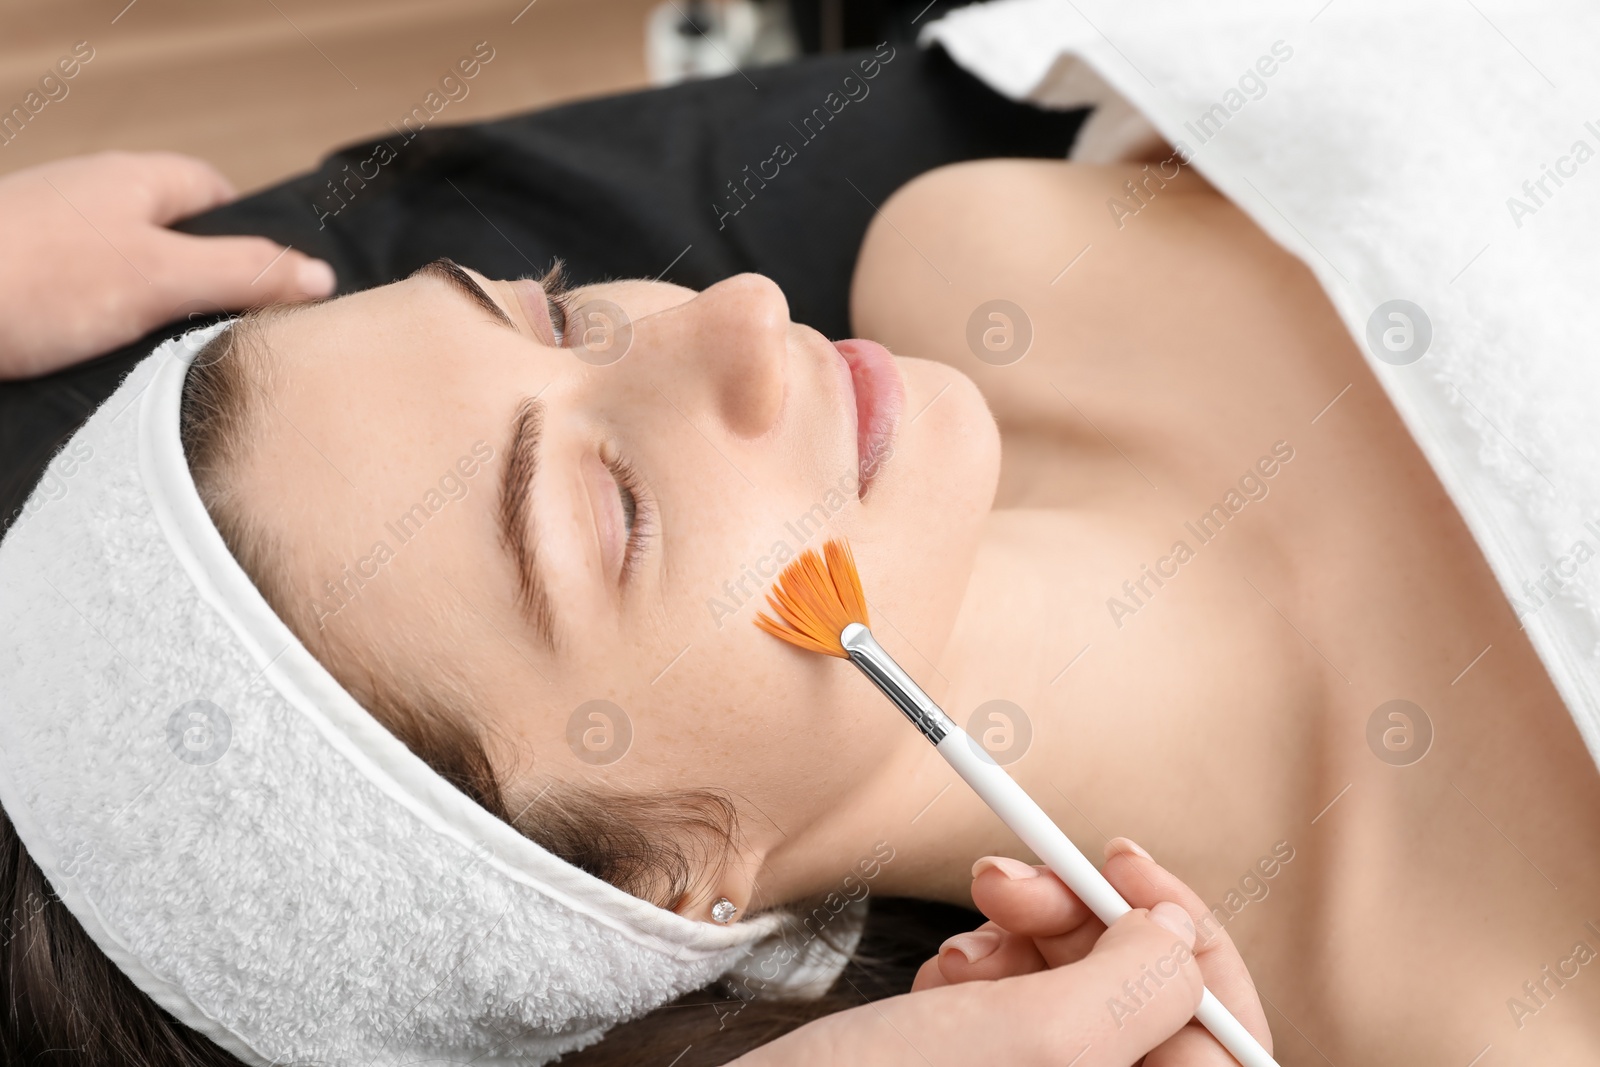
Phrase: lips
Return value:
(879, 395)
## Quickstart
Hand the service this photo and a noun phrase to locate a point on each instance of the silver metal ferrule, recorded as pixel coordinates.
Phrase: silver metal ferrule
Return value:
(887, 675)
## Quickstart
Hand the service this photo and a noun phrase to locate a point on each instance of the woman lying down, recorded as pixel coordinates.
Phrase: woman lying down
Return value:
(385, 688)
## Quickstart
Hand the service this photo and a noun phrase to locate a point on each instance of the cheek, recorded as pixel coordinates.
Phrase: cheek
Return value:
(770, 724)
(728, 532)
(710, 700)
(915, 538)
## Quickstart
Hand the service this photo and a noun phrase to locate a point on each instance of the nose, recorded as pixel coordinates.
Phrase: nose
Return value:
(730, 344)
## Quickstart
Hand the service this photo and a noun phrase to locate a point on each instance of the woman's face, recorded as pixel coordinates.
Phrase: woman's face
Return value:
(549, 521)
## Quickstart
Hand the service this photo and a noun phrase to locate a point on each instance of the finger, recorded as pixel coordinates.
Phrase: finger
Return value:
(176, 186)
(1025, 899)
(928, 976)
(1138, 987)
(1142, 882)
(1070, 948)
(236, 272)
(987, 953)
(1192, 1046)
(1033, 901)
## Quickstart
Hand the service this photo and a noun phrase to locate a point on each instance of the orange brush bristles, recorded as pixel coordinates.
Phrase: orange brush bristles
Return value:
(817, 600)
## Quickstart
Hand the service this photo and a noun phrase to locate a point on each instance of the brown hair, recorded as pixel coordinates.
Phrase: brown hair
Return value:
(65, 1003)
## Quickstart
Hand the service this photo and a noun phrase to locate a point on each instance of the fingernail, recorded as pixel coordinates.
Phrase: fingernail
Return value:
(1013, 869)
(1126, 844)
(1175, 920)
(314, 277)
(973, 946)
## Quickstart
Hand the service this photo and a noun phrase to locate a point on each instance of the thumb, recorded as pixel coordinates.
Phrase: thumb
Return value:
(241, 272)
(1137, 987)
(177, 186)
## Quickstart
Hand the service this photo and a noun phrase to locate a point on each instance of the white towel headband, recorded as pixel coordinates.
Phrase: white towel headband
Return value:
(242, 839)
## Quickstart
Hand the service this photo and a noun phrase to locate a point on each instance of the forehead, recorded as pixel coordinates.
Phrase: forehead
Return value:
(372, 384)
(416, 331)
(375, 450)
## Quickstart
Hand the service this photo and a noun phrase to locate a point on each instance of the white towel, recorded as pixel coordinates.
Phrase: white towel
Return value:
(1398, 149)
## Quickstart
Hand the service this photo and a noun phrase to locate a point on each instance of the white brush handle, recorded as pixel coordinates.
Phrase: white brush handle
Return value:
(1040, 833)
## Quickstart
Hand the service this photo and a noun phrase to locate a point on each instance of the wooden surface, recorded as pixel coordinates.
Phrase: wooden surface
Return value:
(264, 88)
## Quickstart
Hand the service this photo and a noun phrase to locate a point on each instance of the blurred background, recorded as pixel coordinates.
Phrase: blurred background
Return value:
(266, 88)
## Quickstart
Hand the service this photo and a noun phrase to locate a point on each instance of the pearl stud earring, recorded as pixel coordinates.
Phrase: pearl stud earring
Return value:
(724, 910)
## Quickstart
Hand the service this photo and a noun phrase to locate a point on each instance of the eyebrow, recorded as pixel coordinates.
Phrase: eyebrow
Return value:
(516, 515)
(450, 272)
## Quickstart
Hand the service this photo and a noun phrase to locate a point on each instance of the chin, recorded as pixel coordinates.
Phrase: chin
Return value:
(927, 510)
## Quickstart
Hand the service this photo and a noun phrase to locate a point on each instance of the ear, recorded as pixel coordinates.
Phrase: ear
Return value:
(726, 895)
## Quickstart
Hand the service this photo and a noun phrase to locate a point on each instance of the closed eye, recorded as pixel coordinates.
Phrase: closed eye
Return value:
(558, 295)
(560, 301)
(637, 514)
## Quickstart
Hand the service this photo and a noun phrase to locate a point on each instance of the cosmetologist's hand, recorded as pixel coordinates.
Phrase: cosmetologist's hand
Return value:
(89, 264)
(1037, 922)
(1042, 995)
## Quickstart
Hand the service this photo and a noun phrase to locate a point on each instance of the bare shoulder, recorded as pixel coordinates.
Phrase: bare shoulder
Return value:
(1047, 245)
(1005, 219)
